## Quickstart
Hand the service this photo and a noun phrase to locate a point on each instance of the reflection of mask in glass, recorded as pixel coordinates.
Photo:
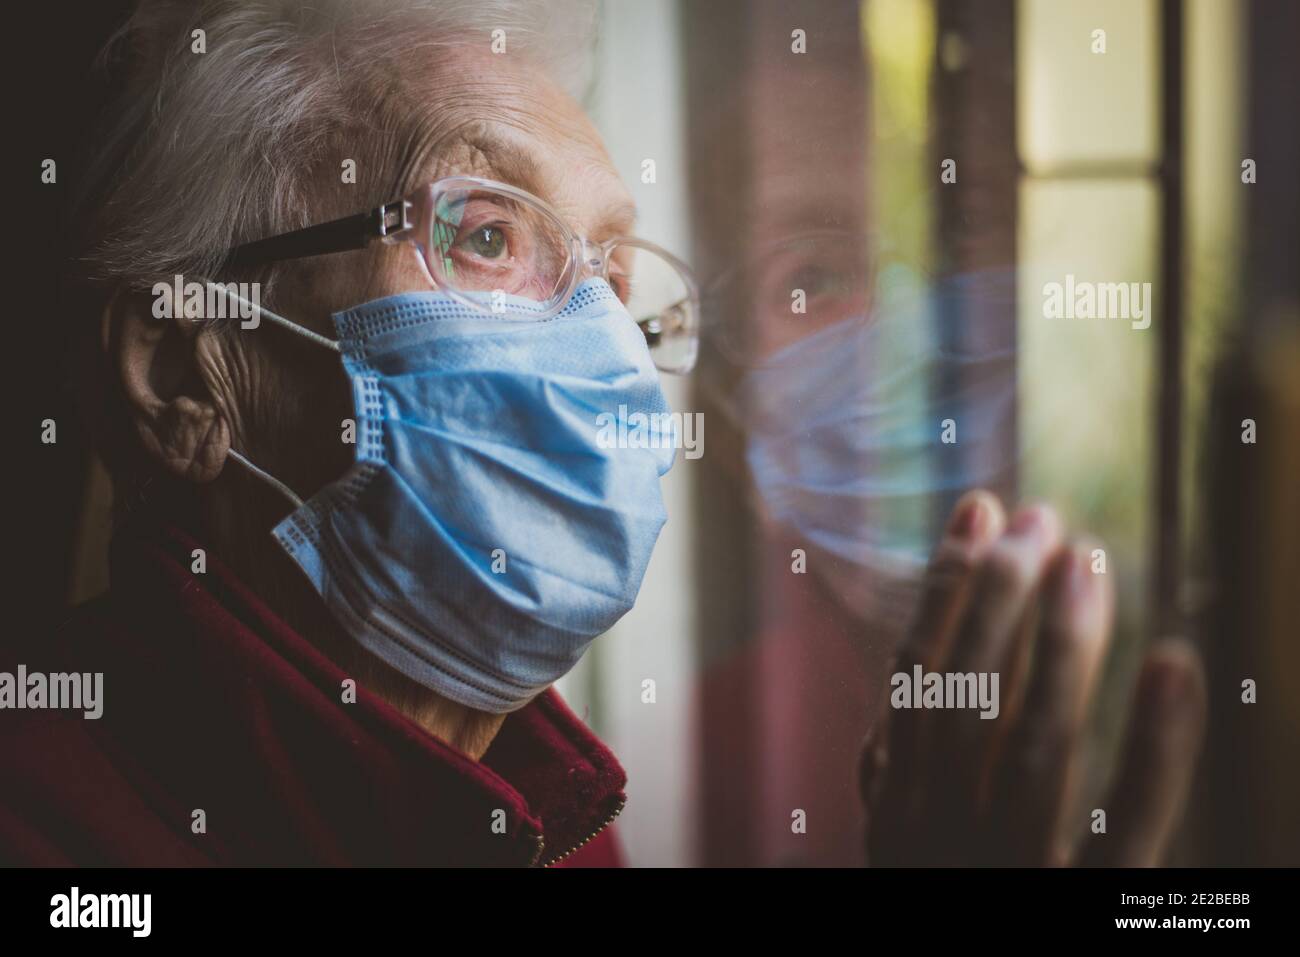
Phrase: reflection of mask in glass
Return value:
(486, 534)
(845, 434)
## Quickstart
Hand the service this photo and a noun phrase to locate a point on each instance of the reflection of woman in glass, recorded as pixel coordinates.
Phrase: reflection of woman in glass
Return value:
(822, 352)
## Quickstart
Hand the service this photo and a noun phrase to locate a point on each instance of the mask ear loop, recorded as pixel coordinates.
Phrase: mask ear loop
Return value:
(270, 479)
(306, 333)
(303, 331)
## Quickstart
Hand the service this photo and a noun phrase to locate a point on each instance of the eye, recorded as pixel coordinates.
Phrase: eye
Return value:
(488, 242)
(816, 280)
(832, 277)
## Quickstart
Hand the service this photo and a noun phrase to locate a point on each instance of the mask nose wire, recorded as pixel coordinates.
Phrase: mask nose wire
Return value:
(315, 337)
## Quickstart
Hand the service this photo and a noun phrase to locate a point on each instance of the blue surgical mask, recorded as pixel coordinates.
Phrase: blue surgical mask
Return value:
(487, 533)
(845, 430)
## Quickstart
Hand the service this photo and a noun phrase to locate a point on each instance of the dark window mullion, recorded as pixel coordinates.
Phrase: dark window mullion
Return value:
(1167, 555)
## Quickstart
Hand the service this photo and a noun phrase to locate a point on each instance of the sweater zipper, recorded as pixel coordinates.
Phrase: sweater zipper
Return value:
(541, 841)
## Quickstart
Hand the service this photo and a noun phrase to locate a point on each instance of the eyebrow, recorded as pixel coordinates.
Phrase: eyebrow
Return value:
(621, 220)
(508, 162)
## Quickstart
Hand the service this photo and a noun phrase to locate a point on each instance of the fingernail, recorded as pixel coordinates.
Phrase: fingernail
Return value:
(1173, 687)
(1164, 691)
(1028, 520)
(1082, 587)
(970, 520)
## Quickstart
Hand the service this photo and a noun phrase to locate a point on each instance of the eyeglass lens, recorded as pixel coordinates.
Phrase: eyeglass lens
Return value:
(483, 241)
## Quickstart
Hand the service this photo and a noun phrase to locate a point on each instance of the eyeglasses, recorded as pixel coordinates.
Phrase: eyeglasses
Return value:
(475, 235)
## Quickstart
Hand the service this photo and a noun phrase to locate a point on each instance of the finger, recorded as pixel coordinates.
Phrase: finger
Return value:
(1007, 583)
(1159, 758)
(1036, 768)
(977, 521)
(1015, 674)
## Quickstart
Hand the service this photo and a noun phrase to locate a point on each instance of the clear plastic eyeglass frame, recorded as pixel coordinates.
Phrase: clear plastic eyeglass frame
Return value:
(414, 219)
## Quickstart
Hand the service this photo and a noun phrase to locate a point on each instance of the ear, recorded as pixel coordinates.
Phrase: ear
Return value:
(175, 418)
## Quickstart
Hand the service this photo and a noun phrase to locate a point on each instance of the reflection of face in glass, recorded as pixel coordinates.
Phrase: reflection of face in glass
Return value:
(844, 424)
(788, 290)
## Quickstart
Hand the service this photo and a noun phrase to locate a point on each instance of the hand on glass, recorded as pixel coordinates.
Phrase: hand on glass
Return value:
(945, 786)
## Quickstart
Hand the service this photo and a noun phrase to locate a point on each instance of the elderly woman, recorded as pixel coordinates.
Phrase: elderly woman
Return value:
(370, 512)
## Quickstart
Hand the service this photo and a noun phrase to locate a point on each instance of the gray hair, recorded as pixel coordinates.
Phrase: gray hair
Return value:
(203, 151)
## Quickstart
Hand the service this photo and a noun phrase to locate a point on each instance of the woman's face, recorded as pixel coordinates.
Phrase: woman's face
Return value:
(483, 115)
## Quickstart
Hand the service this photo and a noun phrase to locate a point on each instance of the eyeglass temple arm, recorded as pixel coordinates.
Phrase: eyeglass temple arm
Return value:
(655, 327)
(336, 236)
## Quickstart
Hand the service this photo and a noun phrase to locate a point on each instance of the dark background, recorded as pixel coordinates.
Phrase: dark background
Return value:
(49, 80)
